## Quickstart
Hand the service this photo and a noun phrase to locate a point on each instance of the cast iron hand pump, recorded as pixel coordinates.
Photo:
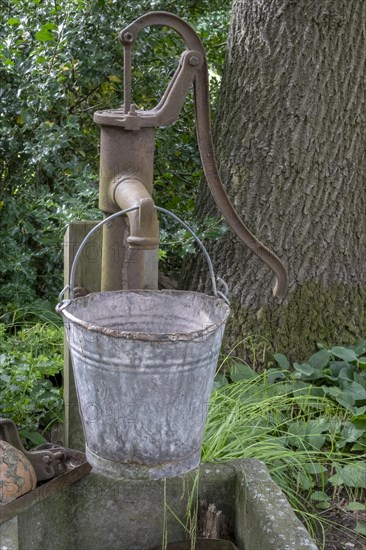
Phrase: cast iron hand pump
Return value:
(124, 185)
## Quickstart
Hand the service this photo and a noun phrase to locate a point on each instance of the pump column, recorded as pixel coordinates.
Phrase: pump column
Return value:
(125, 155)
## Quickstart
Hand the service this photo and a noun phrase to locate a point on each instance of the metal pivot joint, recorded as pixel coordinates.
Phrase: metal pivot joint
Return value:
(127, 179)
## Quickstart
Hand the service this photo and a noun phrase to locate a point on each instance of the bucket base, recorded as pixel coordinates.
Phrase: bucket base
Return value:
(125, 470)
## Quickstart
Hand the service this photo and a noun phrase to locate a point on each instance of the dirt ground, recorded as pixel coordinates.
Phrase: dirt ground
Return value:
(340, 537)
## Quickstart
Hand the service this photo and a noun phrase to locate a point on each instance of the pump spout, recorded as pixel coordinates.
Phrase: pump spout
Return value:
(144, 225)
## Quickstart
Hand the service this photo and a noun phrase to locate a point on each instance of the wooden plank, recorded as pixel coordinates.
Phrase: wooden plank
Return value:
(87, 275)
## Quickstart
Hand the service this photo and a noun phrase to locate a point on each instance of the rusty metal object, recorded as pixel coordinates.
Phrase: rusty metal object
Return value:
(47, 460)
(126, 178)
(192, 69)
(76, 468)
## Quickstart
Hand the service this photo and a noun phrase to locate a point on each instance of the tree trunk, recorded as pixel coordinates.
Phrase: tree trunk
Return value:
(291, 140)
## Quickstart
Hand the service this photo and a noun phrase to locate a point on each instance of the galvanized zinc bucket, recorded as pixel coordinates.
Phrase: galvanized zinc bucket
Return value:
(144, 363)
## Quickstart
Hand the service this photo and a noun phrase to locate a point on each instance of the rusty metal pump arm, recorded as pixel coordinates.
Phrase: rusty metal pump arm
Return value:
(192, 68)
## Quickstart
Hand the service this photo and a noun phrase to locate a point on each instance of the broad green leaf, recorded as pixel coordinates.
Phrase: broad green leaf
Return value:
(274, 374)
(220, 380)
(13, 21)
(314, 468)
(346, 354)
(282, 361)
(304, 368)
(354, 390)
(356, 506)
(35, 437)
(304, 481)
(360, 347)
(359, 447)
(350, 433)
(361, 528)
(49, 27)
(352, 475)
(346, 374)
(320, 359)
(360, 379)
(335, 367)
(361, 363)
(320, 496)
(323, 505)
(44, 36)
(240, 371)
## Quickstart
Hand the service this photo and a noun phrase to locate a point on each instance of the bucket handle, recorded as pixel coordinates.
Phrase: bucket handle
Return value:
(70, 287)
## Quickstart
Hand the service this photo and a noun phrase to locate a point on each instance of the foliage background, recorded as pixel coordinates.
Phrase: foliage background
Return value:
(60, 61)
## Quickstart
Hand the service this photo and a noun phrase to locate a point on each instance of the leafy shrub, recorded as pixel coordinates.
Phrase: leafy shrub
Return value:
(30, 365)
(59, 62)
(306, 422)
(340, 374)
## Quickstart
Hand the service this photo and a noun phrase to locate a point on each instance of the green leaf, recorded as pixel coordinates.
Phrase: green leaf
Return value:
(356, 506)
(320, 496)
(360, 347)
(323, 505)
(240, 371)
(304, 368)
(282, 361)
(346, 354)
(314, 468)
(35, 437)
(13, 21)
(346, 374)
(220, 380)
(352, 475)
(320, 359)
(350, 433)
(353, 390)
(361, 363)
(274, 374)
(361, 528)
(304, 481)
(359, 422)
(44, 36)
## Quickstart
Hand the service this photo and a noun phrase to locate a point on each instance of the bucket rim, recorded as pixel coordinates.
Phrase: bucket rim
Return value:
(154, 337)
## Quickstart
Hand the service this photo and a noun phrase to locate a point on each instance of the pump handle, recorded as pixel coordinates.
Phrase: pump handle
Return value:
(204, 135)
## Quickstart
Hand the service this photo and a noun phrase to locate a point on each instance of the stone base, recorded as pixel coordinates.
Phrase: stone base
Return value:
(103, 513)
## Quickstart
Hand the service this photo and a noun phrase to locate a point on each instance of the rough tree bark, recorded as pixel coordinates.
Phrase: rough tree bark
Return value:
(290, 139)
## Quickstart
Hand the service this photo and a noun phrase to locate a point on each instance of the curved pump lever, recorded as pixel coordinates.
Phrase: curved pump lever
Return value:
(193, 68)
